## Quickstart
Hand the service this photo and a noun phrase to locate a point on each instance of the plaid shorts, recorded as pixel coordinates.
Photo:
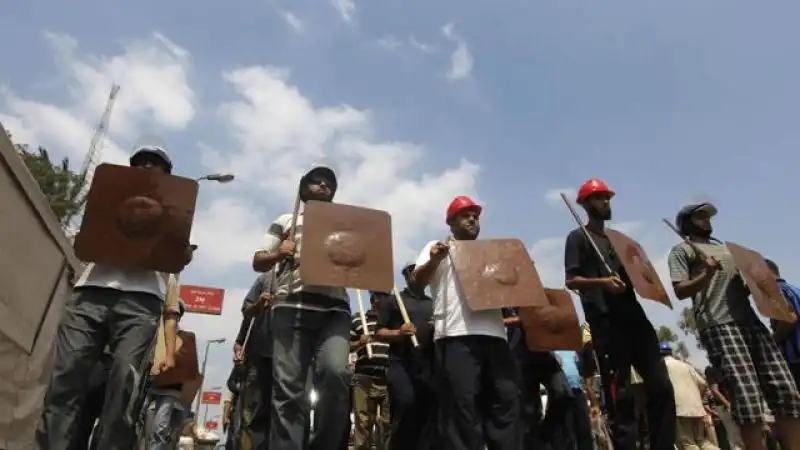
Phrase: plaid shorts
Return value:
(754, 369)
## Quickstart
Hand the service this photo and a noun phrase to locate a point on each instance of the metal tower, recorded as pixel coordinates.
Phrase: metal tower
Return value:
(92, 160)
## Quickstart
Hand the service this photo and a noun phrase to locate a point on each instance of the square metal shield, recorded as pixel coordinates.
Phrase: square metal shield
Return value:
(553, 326)
(762, 282)
(494, 273)
(641, 271)
(186, 366)
(347, 246)
(137, 218)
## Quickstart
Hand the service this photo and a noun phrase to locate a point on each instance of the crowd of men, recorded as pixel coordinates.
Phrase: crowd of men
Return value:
(468, 382)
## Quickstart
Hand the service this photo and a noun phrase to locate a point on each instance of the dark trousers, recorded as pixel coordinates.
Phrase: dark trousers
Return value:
(259, 397)
(91, 410)
(300, 337)
(578, 418)
(795, 369)
(478, 394)
(624, 338)
(542, 368)
(125, 321)
(412, 395)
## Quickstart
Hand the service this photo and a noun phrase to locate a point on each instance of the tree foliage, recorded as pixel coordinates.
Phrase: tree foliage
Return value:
(668, 335)
(59, 183)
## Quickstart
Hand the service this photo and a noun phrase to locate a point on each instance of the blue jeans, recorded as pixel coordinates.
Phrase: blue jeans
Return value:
(94, 318)
(167, 417)
(300, 338)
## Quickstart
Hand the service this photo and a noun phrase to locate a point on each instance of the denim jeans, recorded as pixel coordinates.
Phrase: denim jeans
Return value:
(167, 417)
(301, 337)
(127, 323)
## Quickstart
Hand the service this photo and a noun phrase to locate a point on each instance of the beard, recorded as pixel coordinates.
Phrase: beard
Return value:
(595, 214)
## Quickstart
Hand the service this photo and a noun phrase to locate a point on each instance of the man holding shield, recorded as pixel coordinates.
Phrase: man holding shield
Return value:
(309, 323)
(112, 306)
(703, 269)
(622, 334)
(472, 355)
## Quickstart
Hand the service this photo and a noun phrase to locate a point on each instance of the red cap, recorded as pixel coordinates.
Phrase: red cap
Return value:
(593, 186)
(461, 203)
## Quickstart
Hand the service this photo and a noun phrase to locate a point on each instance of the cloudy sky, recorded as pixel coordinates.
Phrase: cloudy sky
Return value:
(510, 102)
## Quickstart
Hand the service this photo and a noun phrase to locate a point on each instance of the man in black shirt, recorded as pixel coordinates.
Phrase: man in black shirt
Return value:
(623, 336)
(410, 374)
(258, 359)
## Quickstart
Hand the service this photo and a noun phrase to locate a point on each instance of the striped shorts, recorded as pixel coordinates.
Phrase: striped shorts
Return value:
(754, 369)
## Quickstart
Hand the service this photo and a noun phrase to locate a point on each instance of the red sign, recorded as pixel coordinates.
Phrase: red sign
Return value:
(202, 300)
(211, 425)
(211, 398)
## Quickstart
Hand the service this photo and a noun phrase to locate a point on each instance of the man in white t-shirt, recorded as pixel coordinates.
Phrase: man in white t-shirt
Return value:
(118, 307)
(309, 323)
(478, 384)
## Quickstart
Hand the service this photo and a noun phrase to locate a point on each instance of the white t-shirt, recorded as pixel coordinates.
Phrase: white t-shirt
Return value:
(277, 232)
(451, 315)
(124, 279)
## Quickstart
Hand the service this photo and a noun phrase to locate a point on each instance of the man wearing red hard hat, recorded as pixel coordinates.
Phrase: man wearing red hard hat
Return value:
(473, 358)
(623, 336)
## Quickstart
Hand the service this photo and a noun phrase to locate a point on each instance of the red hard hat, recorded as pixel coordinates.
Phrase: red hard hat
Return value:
(593, 186)
(459, 204)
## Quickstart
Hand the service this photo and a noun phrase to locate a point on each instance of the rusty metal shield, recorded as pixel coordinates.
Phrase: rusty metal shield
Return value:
(643, 275)
(347, 246)
(137, 218)
(495, 273)
(763, 284)
(186, 367)
(552, 326)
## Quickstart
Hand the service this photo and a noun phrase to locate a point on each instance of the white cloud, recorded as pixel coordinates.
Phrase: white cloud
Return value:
(461, 60)
(279, 131)
(155, 93)
(345, 8)
(390, 43)
(421, 46)
(293, 21)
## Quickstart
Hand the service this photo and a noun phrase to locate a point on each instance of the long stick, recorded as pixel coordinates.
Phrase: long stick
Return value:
(402, 305)
(278, 267)
(586, 233)
(363, 316)
(685, 239)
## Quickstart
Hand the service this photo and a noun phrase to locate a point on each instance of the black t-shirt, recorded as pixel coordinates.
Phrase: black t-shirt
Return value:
(420, 312)
(580, 259)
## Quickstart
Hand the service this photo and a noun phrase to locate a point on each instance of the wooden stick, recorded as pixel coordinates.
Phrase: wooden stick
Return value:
(403, 312)
(686, 239)
(588, 236)
(364, 328)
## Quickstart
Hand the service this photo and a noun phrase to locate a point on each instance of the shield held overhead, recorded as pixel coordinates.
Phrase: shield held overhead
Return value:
(553, 326)
(643, 275)
(137, 218)
(496, 273)
(347, 246)
(762, 282)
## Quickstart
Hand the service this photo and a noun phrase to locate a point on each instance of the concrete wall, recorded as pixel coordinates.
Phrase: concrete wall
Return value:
(34, 256)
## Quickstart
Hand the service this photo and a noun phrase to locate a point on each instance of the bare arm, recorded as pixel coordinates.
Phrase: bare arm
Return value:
(264, 261)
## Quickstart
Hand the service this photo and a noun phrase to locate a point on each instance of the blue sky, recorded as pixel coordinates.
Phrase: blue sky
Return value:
(417, 102)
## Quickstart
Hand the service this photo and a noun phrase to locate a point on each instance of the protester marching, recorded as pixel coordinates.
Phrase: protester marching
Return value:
(455, 358)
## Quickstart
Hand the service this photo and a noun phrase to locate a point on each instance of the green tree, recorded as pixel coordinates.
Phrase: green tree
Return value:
(668, 335)
(687, 324)
(59, 183)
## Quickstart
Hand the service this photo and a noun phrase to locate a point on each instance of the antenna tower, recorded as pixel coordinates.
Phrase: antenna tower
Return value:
(92, 160)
